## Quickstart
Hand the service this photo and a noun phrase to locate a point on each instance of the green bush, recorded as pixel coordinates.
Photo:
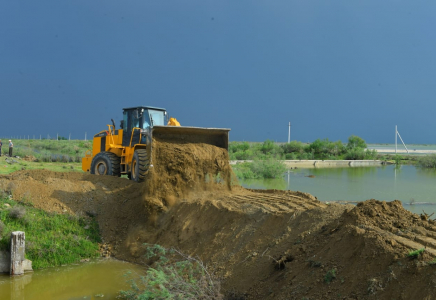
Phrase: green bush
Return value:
(173, 275)
(270, 168)
(356, 142)
(427, 161)
(293, 147)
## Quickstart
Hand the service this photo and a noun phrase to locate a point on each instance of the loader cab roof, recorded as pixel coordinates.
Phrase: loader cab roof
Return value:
(145, 107)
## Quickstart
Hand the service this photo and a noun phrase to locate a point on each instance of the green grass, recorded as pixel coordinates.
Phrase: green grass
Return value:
(50, 150)
(6, 168)
(51, 239)
(416, 253)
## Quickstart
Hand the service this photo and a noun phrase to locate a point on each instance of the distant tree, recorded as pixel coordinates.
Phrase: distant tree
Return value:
(293, 146)
(61, 138)
(356, 142)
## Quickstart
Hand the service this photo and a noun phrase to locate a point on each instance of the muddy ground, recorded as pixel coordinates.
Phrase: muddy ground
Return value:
(261, 244)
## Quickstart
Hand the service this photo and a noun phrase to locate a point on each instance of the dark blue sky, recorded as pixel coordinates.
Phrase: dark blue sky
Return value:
(331, 68)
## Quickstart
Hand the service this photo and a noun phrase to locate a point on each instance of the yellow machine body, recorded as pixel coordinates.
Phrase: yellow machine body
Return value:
(129, 150)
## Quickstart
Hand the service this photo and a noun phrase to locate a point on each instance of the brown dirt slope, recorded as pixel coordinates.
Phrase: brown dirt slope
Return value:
(262, 244)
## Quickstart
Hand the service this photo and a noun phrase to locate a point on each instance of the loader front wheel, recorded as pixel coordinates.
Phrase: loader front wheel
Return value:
(140, 163)
(105, 163)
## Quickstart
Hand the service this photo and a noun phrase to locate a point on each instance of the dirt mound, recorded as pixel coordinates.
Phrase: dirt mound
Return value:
(29, 158)
(180, 169)
(262, 244)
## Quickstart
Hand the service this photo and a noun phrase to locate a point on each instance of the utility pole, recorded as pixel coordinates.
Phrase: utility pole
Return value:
(398, 134)
(289, 133)
(85, 136)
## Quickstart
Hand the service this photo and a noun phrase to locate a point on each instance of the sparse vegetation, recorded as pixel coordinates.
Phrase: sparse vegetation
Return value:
(44, 150)
(174, 275)
(51, 239)
(315, 264)
(330, 275)
(416, 253)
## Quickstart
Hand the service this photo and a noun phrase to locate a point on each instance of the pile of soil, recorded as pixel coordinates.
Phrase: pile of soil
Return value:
(262, 244)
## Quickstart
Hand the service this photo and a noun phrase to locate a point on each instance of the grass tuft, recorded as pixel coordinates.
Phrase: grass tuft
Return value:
(330, 275)
(416, 253)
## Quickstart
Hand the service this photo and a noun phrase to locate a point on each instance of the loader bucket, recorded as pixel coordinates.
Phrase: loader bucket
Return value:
(218, 137)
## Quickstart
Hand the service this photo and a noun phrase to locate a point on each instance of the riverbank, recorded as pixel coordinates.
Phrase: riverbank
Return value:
(52, 239)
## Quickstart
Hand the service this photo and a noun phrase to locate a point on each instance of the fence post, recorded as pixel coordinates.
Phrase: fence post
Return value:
(17, 252)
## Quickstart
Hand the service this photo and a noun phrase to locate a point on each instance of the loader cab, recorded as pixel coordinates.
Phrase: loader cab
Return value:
(137, 122)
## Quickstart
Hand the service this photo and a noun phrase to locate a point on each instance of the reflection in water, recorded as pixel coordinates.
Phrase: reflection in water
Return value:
(276, 184)
(386, 183)
(93, 280)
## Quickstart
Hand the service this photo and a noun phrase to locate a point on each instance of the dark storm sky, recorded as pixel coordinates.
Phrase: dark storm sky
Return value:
(331, 68)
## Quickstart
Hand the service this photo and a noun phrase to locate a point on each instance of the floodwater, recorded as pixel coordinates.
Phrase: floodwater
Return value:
(413, 186)
(97, 279)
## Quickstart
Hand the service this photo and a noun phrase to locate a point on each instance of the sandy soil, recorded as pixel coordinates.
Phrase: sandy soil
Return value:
(262, 244)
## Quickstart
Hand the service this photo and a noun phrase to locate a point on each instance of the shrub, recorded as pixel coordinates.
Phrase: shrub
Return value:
(427, 161)
(330, 275)
(243, 171)
(397, 159)
(17, 212)
(270, 168)
(356, 142)
(293, 147)
(355, 154)
(174, 275)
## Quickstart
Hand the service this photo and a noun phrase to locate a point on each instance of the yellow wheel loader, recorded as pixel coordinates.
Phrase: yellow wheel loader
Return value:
(128, 150)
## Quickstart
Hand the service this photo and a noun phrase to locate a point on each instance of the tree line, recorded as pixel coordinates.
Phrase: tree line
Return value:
(354, 149)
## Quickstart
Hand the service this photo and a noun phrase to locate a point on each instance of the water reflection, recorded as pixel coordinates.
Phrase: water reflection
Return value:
(93, 280)
(405, 183)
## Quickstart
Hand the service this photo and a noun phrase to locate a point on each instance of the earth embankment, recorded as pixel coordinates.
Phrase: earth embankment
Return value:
(262, 244)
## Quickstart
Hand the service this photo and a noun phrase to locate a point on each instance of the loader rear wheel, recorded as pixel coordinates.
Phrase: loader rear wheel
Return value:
(106, 163)
(140, 163)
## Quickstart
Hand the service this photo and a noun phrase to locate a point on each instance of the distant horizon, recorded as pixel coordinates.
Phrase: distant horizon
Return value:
(90, 138)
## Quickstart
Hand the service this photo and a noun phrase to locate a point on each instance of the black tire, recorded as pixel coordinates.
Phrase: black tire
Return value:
(106, 163)
(140, 164)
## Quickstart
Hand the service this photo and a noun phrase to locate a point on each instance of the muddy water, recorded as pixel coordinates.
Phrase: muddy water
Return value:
(99, 279)
(415, 187)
